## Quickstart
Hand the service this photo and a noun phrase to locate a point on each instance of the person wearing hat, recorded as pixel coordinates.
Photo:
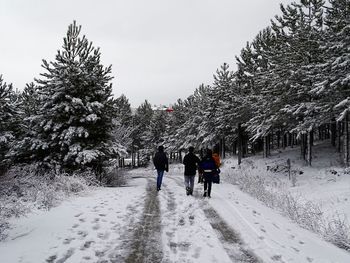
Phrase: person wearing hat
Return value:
(161, 164)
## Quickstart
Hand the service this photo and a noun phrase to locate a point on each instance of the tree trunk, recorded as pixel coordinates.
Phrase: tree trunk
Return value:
(234, 148)
(346, 140)
(224, 155)
(239, 132)
(303, 146)
(333, 132)
(309, 147)
(338, 136)
(284, 141)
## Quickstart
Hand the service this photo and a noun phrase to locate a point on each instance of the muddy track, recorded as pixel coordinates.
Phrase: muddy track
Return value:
(146, 244)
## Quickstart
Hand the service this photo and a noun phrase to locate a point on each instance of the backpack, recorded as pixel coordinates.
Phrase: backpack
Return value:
(208, 164)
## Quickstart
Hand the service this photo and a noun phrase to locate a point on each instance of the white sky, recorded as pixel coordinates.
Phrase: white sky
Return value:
(160, 50)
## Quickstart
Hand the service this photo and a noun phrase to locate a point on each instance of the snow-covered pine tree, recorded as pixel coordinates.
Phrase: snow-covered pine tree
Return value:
(74, 120)
(122, 120)
(222, 98)
(122, 110)
(29, 102)
(296, 50)
(172, 138)
(154, 135)
(197, 130)
(252, 78)
(336, 78)
(141, 123)
(8, 122)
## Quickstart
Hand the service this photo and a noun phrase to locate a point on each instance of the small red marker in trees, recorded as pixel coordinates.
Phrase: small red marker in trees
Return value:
(169, 110)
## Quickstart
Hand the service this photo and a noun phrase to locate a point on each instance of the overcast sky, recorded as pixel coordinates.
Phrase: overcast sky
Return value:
(160, 50)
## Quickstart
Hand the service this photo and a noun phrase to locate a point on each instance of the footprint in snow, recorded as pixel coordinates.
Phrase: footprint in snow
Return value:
(96, 227)
(51, 259)
(87, 244)
(295, 249)
(170, 234)
(276, 257)
(75, 225)
(197, 252)
(275, 225)
(182, 221)
(184, 246)
(68, 254)
(82, 220)
(191, 218)
(68, 240)
(83, 234)
(103, 236)
(100, 253)
(309, 259)
(77, 215)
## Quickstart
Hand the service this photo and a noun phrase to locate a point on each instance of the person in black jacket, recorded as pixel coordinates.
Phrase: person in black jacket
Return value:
(191, 162)
(160, 161)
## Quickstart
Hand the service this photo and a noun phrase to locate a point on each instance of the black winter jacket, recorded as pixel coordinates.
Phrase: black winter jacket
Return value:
(160, 161)
(190, 161)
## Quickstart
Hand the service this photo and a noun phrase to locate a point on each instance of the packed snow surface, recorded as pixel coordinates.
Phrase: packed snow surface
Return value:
(135, 223)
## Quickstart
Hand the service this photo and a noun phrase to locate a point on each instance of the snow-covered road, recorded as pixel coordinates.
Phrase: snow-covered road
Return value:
(138, 224)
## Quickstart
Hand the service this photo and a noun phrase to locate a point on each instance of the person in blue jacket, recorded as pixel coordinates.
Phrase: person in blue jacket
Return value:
(208, 168)
(161, 164)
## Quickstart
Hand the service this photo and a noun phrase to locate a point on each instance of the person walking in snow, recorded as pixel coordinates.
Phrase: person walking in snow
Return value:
(191, 162)
(208, 168)
(160, 161)
(216, 158)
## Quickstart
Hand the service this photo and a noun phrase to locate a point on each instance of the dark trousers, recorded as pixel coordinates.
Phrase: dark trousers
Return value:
(208, 181)
(160, 174)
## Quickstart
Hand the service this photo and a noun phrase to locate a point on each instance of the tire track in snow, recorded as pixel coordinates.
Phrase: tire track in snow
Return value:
(231, 241)
(146, 244)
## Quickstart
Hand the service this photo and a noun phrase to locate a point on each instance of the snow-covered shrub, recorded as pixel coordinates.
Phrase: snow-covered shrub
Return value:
(307, 214)
(115, 176)
(25, 188)
(337, 231)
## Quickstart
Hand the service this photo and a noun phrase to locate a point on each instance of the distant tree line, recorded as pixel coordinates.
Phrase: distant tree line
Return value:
(291, 88)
